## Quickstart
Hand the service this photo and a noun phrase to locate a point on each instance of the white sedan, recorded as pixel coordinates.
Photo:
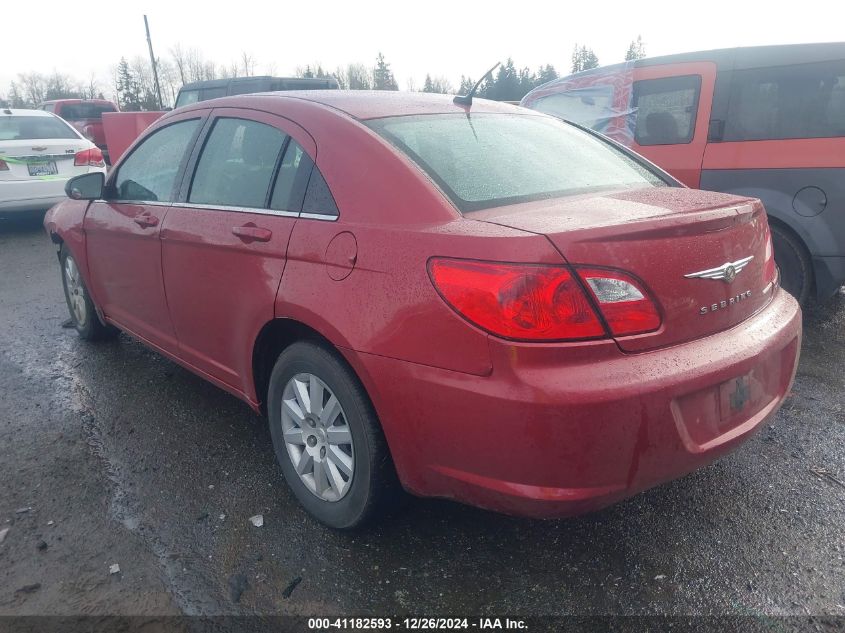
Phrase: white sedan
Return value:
(39, 152)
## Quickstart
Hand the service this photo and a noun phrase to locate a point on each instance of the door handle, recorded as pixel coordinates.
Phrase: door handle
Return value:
(145, 220)
(251, 233)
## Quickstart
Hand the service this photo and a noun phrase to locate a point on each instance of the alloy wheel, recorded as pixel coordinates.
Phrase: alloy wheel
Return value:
(317, 437)
(75, 291)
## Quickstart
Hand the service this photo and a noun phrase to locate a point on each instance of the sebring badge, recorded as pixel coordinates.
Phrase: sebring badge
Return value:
(727, 272)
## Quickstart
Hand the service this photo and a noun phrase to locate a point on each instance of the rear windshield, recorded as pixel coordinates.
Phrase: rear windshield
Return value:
(24, 128)
(489, 160)
(77, 111)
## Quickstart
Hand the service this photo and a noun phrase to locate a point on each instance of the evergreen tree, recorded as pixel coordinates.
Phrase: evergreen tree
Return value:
(546, 74)
(128, 88)
(636, 49)
(583, 58)
(383, 76)
(439, 85)
(466, 85)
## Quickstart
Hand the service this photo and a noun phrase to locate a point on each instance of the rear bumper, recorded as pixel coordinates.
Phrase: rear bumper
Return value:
(34, 195)
(561, 430)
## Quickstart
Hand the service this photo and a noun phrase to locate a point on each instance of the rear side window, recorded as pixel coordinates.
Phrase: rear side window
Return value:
(800, 101)
(665, 110)
(26, 128)
(318, 198)
(300, 186)
(149, 172)
(237, 164)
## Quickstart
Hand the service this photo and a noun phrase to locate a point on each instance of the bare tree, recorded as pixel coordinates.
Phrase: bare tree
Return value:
(33, 87)
(180, 60)
(340, 77)
(358, 77)
(248, 64)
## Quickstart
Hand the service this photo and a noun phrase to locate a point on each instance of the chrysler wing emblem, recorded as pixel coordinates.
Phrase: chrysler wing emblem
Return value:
(727, 272)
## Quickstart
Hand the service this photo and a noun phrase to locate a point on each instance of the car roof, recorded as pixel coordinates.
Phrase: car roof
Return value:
(24, 112)
(740, 57)
(375, 104)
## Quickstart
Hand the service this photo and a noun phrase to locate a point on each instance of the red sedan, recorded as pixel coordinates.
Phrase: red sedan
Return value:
(477, 302)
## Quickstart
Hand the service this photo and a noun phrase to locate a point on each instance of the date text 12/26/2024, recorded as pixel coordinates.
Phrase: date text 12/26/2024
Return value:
(415, 624)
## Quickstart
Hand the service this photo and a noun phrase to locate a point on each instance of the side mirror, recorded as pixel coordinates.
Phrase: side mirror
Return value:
(86, 186)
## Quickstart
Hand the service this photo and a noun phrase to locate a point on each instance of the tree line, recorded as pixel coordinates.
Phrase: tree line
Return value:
(134, 84)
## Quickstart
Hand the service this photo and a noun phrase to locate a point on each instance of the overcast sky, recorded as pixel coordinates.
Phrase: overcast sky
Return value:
(442, 38)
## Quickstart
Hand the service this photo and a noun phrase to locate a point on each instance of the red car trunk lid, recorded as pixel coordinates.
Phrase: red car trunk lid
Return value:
(672, 239)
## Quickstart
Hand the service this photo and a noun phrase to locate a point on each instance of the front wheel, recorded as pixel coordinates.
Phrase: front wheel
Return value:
(327, 438)
(83, 315)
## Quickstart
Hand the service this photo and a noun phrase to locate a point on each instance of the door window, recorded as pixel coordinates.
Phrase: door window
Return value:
(666, 109)
(292, 179)
(237, 164)
(149, 173)
(800, 101)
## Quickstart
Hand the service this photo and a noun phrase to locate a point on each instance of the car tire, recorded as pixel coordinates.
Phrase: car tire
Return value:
(796, 272)
(358, 478)
(83, 314)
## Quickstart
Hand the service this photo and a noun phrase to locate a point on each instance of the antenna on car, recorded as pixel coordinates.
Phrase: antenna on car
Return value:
(467, 99)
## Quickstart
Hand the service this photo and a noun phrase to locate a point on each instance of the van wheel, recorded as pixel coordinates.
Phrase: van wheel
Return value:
(796, 273)
(79, 303)
(327, 438)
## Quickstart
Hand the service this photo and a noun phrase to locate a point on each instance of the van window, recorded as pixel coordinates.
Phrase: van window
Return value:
(213, 93)
(591, 107)
(237, 164)
(665, 110)
(783, 102)
(187, 97)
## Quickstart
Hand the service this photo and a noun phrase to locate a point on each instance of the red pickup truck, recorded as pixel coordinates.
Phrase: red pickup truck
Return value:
(86, 115)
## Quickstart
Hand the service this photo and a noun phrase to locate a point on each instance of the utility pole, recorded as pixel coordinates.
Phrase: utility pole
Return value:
(153, 62)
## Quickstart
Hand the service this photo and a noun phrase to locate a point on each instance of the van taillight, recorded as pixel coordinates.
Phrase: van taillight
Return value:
(89, 157)
(528, 302)
(4, 165)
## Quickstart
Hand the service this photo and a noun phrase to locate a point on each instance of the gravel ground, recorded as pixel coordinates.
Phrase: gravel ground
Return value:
(110, 454)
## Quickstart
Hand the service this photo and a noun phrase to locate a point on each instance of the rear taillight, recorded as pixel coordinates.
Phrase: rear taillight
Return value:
(529, 302)
(624, 302)
(4, 166)
(89, 158)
